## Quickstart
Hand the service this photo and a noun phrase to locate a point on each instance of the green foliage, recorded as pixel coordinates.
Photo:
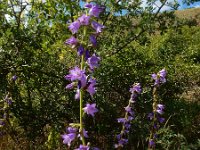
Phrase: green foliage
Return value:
(133, 47)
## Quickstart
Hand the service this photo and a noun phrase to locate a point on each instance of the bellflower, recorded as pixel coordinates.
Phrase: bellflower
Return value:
(98, 27)
(14, 77)
(68, 138)
(93, 61)
(72, 41)
(87, 55)
(82, 147)
(77, 95)
(90, 109)
(136, 88)
(84, 19)
(93, 40)
(74, 26)
(160, 77)
(80, 50)
(70, 86)
(91, 88)
(95, 10)
(75, 74)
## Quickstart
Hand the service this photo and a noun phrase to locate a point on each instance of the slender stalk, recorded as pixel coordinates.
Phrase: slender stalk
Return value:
(155, 101)
(81, 97)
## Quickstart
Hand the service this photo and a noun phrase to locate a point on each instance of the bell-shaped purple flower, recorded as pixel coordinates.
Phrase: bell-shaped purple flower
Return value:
(75, 74)
(98, 27)
(93, 61)
(14, 78)
(159, 78)
(77, 95)
(70, 86)
(87, 55)
(82, 147)
(84, 19)
(93, 40)
(68, 138)
(136, 88)
(152, 143)
(95, 10)
(90, 109)
(72, 41)
(80, 50)
(74, 26)
(91, 88)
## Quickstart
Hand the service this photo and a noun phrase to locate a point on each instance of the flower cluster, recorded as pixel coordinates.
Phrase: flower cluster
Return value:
(81, 76)
(129, 115)
(158, 109)
(160, 77)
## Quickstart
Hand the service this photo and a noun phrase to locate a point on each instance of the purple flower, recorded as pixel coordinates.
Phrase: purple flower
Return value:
(95, 10)
(150, 116)
(98, 27)
(129, 110)
(71, 130)
(68, 138)
(87, 5)
(121, 120)
(70, 86)
(87, 54)
(160, 106)
(93, 40)
(2, 123)
(75, 74)
(151, 143)
(161, 120)
(82, 147)
(136, 88)
(74, 26)
(90, 109)
(121, 143)
(160, 77)
(72, 41)
(80, 50)
(77, 95)
(14, 78)
(91, 88)
(85, 134)
(162, 73)
(160, 111)
(93, 61)
(84, 19)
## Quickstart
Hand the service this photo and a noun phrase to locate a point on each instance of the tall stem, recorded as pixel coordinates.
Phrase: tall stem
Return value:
(81, 97)
(155, 101)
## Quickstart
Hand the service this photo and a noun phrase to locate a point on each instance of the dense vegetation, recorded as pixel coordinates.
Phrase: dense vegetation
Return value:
(135, 44)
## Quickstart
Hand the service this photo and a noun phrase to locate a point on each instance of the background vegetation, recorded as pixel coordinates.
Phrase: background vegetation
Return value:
(134, 45)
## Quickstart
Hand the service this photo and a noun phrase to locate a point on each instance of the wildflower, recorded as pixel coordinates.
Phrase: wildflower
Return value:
(90, 109)
(98, 27)
(160, 77)
(93, 61)
(95, 10)
(80, 50)
(91, 88)
(82, 147)
(72, 41)
(14, 78)
(84, 19)
(93, 40)
(68, 138)
(74, 26)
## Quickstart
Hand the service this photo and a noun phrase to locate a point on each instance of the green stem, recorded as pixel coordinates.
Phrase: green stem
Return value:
(81, 97)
